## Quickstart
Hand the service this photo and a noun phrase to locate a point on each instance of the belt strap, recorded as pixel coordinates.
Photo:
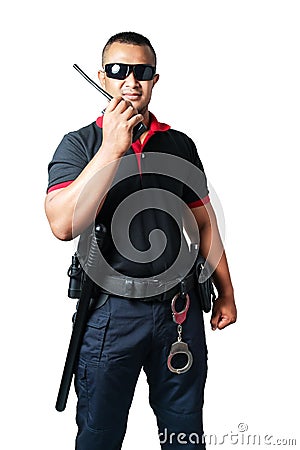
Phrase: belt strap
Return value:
(139, 288)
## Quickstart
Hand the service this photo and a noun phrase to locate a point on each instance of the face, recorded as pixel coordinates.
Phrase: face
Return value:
(137, 92)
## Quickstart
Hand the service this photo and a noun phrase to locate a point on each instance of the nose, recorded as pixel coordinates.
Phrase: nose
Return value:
(131, 81)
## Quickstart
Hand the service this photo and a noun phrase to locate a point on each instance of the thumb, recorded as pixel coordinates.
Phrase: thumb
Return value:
(223, 322)
(215, 318)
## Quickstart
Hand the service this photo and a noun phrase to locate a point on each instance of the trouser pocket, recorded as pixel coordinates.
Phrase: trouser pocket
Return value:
(94, 337)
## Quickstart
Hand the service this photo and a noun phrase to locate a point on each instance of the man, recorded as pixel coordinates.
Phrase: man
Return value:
(127, 334)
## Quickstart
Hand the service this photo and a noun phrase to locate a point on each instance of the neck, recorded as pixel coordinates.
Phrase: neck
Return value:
(146, 115)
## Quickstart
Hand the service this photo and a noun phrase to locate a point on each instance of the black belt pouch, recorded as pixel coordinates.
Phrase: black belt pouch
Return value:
(204, 285)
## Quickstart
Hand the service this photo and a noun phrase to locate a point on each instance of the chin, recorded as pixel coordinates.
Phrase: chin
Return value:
(141, 108)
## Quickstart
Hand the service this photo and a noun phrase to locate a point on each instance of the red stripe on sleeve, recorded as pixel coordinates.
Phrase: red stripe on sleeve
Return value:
(59, 186)
(199, 202)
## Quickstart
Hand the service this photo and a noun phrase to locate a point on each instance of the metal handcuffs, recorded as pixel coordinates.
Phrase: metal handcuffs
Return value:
(179, 346)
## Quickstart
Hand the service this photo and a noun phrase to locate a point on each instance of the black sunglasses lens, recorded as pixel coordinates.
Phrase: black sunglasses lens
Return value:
(143, 72)
(117, 71)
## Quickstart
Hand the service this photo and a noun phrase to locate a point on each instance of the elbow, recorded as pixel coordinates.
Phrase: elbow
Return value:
(60, 224)
(61, 233)
(63, 228)
(63, 236)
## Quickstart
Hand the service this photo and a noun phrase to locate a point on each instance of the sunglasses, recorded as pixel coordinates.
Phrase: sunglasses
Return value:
(120, 71)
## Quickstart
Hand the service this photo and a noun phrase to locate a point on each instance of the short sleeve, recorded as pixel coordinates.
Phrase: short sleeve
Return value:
(68, 161)
(196, 191)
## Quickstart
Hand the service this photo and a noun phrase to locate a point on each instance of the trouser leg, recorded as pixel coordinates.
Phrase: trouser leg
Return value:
(177, 400)
(103, 404)
(111, 358)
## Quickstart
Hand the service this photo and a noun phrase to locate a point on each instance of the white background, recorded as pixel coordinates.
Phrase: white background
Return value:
(230, 79)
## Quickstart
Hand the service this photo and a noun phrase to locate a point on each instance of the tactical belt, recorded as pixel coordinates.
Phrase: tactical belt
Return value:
(135, 289)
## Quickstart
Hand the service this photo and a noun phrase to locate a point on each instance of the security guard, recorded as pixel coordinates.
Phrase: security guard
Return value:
(131, 328)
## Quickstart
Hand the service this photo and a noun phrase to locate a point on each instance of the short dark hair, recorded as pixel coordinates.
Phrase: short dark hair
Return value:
(128, 37)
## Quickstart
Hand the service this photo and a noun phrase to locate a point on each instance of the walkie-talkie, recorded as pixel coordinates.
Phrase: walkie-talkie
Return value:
(138, 130)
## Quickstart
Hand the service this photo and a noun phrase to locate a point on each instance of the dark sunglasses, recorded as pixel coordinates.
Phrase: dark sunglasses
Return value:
(120, 71)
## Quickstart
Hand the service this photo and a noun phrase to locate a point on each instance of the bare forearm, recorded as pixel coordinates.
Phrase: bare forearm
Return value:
(212, 249)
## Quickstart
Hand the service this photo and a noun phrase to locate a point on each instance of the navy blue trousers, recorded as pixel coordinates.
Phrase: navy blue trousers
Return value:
(122, 337)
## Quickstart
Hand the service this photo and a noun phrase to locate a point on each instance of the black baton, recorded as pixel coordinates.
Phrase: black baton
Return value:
(80, 320)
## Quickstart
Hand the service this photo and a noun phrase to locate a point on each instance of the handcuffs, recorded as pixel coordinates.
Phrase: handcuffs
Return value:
(180, 347)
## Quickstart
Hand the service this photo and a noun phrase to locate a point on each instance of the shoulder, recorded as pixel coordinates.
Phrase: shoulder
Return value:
(86, 133)
(178, 134)
(85, 140)
(182, 143)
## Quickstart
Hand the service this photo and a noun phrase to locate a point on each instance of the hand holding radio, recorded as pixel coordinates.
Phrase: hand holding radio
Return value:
(119, 122)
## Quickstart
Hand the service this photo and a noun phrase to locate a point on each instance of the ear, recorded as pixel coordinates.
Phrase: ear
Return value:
(101, 76)
(155, 79)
